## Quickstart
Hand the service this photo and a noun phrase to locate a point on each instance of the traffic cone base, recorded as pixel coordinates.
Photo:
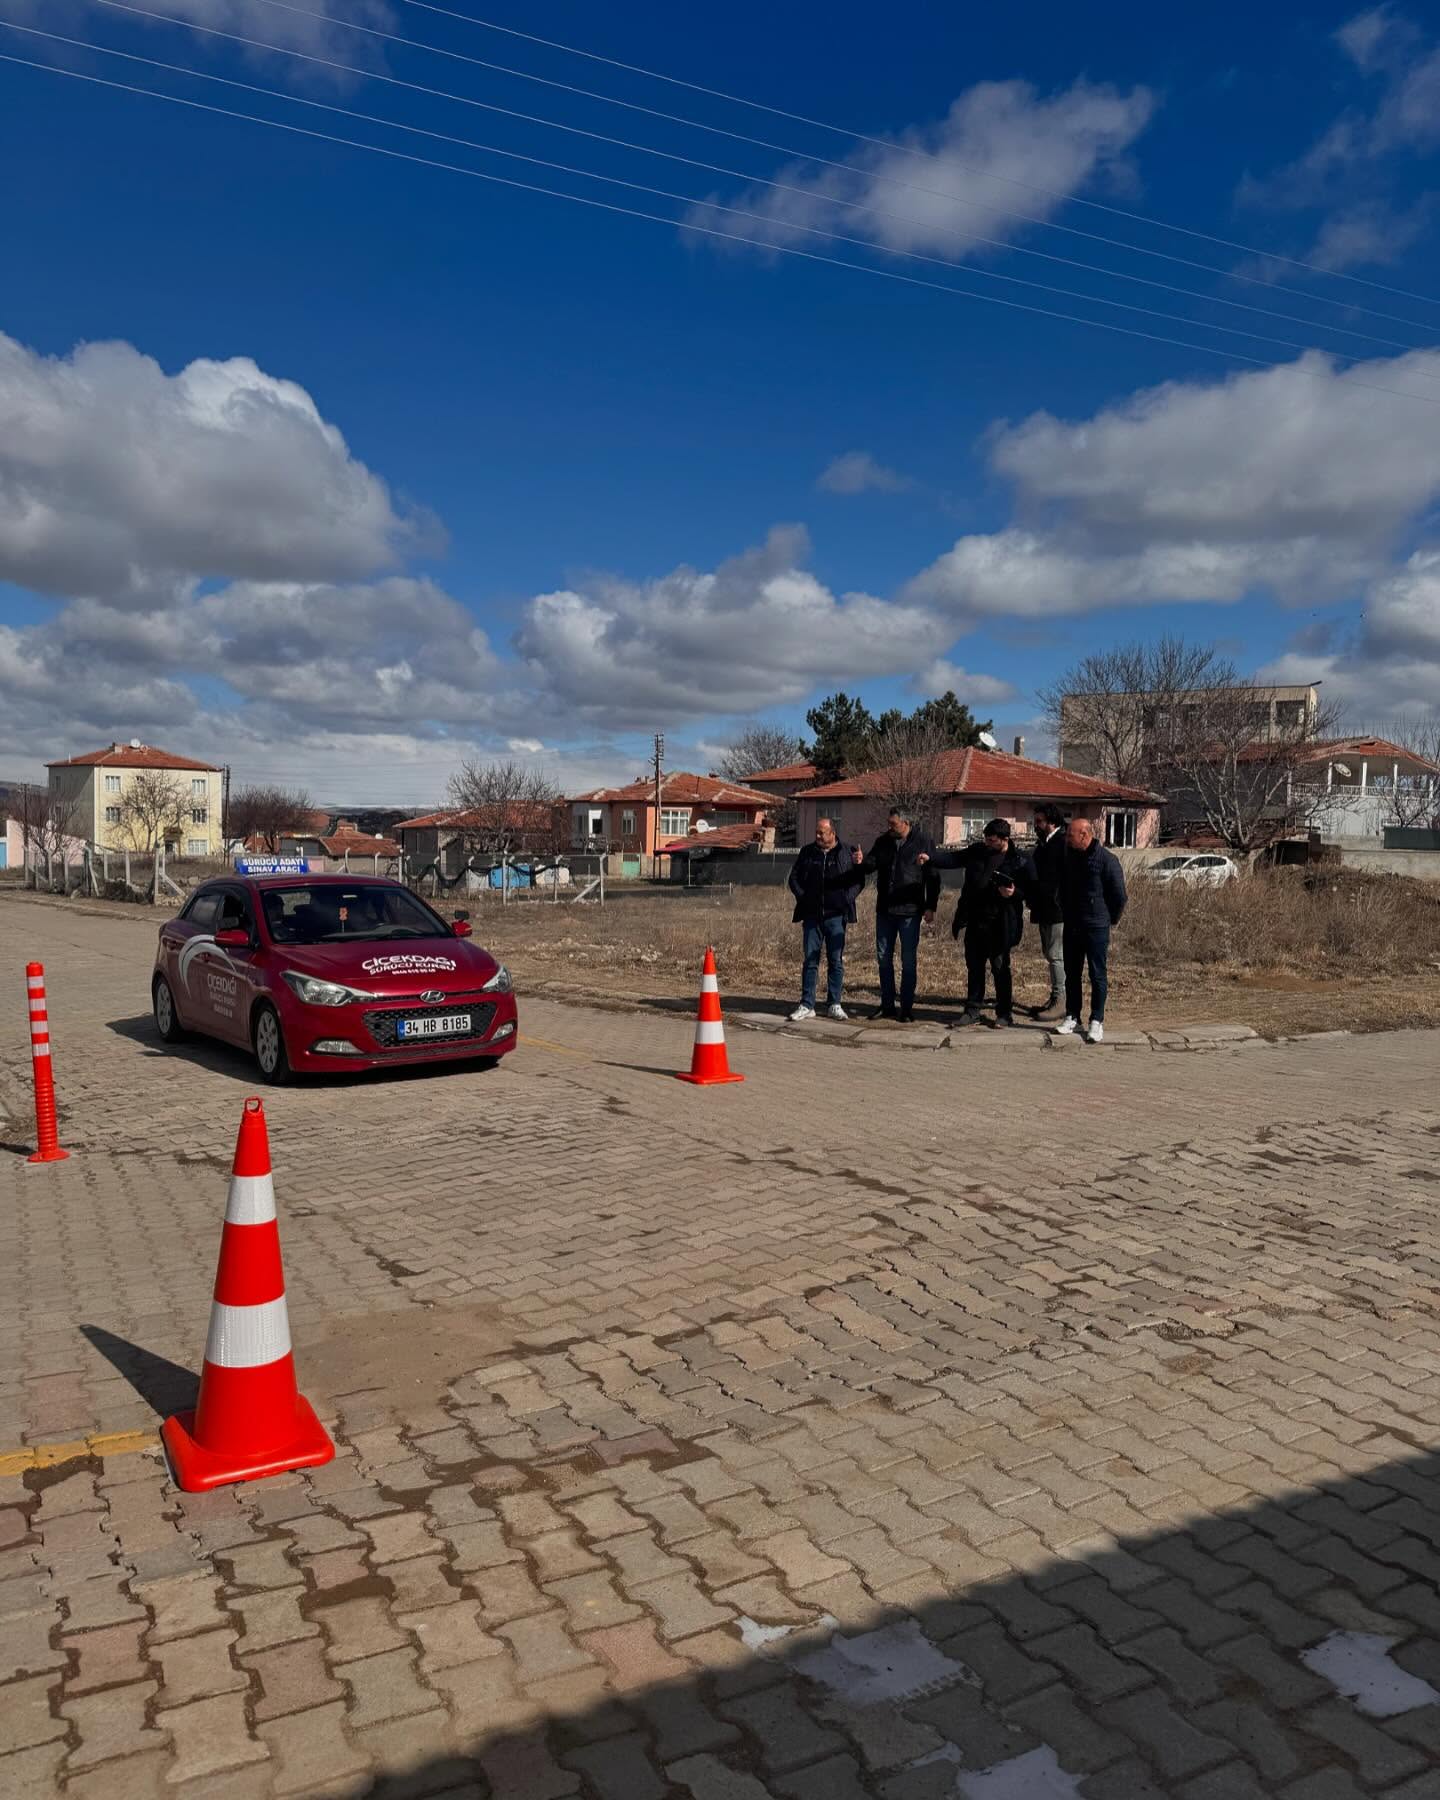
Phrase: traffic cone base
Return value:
(198, 1470)
(44, 1156)
(250, 1419)
(709, 1064)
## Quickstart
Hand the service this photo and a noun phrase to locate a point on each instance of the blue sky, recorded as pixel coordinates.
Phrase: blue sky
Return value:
(352, 410)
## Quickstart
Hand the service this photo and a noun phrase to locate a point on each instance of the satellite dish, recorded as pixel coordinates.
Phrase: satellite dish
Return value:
(703, 825)
(988, 740)
(1344, 769)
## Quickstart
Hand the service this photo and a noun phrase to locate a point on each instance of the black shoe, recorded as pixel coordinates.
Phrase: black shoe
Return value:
(882, 1012)
(970, 1016)
(906, 1018)
(1002, 1022)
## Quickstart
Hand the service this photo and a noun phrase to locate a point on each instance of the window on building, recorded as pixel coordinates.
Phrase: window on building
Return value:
(627, 822)
(1120, 830)
(196, 846)
(112, 784)
(112, 815)
(199, 815)
(595, 823)
(973, 821)
(1289, 713)
(197, 788)
(674, 821)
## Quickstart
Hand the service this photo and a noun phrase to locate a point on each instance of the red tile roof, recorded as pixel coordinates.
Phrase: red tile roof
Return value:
(992, 772)
(682, 789)
(723, 837)
(800, 771)
(358, 843)
(1327, 749)
(132, 756)
(532, 816)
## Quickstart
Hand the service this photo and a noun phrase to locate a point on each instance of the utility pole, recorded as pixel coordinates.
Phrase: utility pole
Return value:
(655, 840)
(225, 814)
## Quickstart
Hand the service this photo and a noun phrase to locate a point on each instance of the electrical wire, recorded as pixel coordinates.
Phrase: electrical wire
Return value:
(779, 112)
(655, 192)
(705, 230)
(739, 175)
(781, 150)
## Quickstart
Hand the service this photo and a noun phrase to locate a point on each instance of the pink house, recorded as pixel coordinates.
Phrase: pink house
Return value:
(976, 786)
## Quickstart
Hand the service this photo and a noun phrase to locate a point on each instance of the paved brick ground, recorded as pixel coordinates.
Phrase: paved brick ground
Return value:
(985, 1422)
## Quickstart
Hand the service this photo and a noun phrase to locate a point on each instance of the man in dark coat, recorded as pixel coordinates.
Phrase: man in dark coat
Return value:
(907, 891)
(990, 911)
(824, 881)
(1049, 860)
(1092, 898)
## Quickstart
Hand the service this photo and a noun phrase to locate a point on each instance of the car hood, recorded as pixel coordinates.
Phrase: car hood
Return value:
(403, 966)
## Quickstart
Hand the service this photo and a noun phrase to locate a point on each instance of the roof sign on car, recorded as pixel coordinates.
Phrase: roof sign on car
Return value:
(271, 865)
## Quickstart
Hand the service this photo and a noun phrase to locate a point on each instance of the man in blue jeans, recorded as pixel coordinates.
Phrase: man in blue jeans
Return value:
(824, 881)
(1092, 898)
(907, 891)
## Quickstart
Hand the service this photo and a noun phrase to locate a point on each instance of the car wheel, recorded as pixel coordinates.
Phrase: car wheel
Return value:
(269, 1041)
(167, 1019)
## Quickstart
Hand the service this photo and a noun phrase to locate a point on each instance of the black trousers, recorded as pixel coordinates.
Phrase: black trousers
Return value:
(982, 953)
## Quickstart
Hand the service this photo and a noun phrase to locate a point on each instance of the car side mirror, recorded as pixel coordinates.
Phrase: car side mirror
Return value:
(234, 938)
(461, 927)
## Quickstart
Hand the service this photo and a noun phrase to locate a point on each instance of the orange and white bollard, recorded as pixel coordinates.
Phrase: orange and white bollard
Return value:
(47, 1131)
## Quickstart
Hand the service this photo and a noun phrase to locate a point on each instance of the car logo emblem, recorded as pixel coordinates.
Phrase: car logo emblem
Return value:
(433, 997)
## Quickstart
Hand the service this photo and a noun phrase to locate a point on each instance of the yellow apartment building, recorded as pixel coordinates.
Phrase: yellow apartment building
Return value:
(91, 790)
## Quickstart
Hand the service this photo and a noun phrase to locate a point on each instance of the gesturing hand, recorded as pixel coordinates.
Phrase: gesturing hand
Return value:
(923, 858)
(857, 857)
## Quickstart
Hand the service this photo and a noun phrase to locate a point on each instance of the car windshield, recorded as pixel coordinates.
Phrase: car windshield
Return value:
(1171, 862)
(365, 912)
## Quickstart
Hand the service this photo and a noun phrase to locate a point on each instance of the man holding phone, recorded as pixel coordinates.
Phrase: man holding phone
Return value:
(991, 912)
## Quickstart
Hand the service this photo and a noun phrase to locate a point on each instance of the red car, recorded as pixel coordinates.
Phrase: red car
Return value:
(321, 972)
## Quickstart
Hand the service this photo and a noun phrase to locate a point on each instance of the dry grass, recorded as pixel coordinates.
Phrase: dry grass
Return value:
(1360, 952)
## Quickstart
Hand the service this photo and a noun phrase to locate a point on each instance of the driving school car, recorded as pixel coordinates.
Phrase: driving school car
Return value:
(314, 973)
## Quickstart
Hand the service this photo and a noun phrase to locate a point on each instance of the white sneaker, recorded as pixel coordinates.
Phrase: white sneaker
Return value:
(1068, 1027)
(1096, 1033)
(801, 1013)
(837, 1011)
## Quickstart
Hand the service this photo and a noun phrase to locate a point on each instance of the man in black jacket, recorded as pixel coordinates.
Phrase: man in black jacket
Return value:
(907, 890)
(1092, 898)
(1049, 860)
(991, 912)
(824, 881)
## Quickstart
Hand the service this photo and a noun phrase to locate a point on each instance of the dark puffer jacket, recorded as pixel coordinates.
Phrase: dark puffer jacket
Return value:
(825, 883)
(902, 886)
(1092, 888)
(981, 910)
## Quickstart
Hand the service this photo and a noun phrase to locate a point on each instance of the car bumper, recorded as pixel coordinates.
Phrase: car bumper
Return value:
(314, 1036)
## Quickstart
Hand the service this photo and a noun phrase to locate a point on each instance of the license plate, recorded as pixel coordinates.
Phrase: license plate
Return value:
(442, 1025)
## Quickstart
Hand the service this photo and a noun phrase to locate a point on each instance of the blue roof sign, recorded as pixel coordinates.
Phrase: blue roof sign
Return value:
(272, 865)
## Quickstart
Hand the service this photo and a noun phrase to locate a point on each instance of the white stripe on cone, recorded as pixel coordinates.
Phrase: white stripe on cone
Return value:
(709, 984)
(39, 1049)
(248, 1337)
(36, 983)
(38, 1006)
(251, 1200)
(709, 1031)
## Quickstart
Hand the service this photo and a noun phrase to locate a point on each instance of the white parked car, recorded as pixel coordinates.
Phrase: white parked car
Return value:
(1194, 869)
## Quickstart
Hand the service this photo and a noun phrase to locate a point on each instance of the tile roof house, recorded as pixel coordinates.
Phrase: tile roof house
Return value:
(337, 844)
(785, 781)
(449, 837)
(975, 786)
(624, 817)
(91, 789)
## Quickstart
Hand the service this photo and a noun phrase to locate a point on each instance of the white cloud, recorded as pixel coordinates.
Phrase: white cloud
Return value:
(1369, 234)
(942, 677)
(1295, 480)
(118, 480)
(938, 188)
(317, 27)
(758, 631)
(858, 472)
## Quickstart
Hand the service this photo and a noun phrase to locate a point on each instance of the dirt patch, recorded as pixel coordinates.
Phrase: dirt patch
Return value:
(418, 1350)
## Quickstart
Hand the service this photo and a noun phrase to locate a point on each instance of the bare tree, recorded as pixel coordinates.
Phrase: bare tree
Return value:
(504, 806)
(1113, 712)
(49, 825)
(912, 768)
(152, 809)
(268, 813)
(1411, 792)
(758, 748)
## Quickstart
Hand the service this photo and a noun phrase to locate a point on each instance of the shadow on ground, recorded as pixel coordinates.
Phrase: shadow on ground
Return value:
(163, 1385)
(1175, 1663)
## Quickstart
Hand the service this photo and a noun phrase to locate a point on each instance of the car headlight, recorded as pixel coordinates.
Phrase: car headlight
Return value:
(499, 982)
(315, 992)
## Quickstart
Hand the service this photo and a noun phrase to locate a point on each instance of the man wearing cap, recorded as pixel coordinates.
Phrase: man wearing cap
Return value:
(991, 912)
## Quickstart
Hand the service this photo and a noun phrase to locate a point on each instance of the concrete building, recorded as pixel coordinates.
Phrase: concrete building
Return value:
(89, 794)
(1286, 712)
(975, 786)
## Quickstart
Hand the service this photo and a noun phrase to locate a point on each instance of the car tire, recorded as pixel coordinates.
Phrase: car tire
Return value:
(167, 1018)
(267, 1038)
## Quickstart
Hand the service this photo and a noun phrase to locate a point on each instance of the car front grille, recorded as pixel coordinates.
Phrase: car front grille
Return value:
(383, 1025)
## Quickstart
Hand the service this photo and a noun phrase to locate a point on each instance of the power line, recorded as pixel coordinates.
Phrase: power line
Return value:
(779, 112)
(644, 188)
(736, 174)
(704, 230)
(798, 155)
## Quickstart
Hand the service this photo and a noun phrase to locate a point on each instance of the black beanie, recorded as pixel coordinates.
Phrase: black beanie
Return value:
(998, 828)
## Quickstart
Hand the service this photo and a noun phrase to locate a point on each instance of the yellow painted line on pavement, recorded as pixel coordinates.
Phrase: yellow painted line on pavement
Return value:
(559, 1049)
(103, 1443)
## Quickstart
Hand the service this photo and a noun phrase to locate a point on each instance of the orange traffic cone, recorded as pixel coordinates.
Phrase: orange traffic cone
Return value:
(709, 1065)
(250, 1419)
